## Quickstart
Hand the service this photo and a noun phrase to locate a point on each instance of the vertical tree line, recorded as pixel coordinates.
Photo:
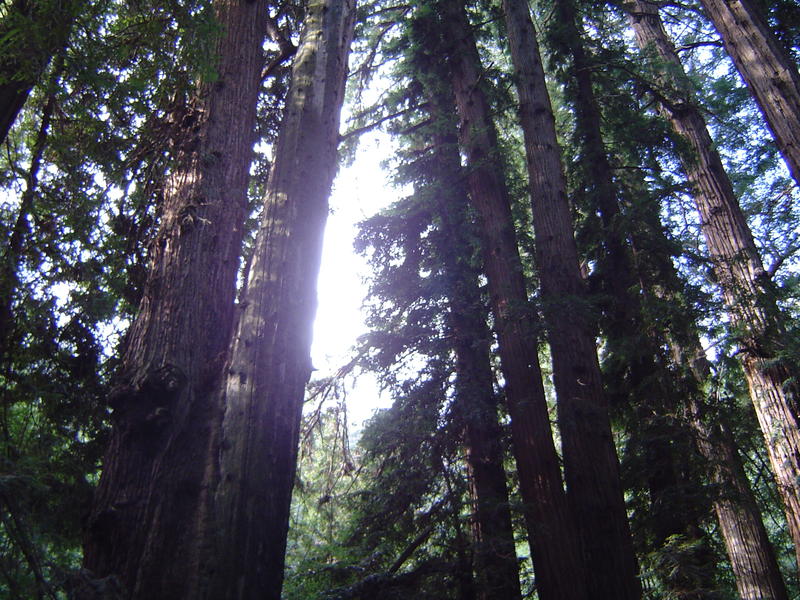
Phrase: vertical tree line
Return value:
(583, 306)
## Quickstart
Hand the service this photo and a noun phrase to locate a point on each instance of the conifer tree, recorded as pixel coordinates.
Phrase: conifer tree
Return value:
(555, 547)
(32, 32)
(591, 466)
(748, 291)
(476, 404)
(766, 67)
(625, 328)
(149, 512)
(269, 363)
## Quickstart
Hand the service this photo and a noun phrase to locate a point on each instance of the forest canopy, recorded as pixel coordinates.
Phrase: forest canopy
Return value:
(583, 300)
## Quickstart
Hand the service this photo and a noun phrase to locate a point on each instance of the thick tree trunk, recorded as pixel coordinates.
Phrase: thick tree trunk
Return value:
(269, 363)
(552, 535)
(151, 505)
(741, 276)
(766, 68)
(32, 32)
(591, 466)
(497, 571)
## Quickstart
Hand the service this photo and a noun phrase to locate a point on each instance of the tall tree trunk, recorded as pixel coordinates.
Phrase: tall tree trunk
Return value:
(749, 550)
(552, 535)
(32, 32)
(767, 69)
(476, 403)
(591, 466)
(745, 285)
(751, 554)
(151, 505)
(269, 363)
(620, 283)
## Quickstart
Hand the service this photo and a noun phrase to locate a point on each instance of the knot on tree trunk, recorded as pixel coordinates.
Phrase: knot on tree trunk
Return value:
(148, 405)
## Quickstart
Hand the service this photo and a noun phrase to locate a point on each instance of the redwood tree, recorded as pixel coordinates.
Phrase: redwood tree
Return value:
(269, 363)
(497, 572)
(626, 285)
(150, 509)
(551, 531)
(767, 69)
(591, 467)
(746, 287)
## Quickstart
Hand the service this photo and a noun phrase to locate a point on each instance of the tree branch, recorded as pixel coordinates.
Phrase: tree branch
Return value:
(369, 127)
(286, 49)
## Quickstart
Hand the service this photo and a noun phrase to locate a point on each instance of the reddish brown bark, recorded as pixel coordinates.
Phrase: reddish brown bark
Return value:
(749, 550)
(151, 505)
(737, 265)
(269, 363)
(751, 554)
(552, 535)
(766, 68)
(591, 466)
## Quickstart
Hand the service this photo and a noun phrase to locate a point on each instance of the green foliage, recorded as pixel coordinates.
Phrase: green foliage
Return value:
(80, 177)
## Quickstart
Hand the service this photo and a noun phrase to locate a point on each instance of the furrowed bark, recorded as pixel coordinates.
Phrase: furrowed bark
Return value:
(269, 363)
(737, 265)
(151, 507)
(766, 68)
(591, 466)
(751, 554)
(552, 535)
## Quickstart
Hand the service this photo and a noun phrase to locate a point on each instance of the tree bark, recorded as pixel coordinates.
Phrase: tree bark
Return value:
(269, 363)
(591, 466)
(552, 535)
(751, 554)
(151, 506)
(749, 550)
(621, 281)
(767, 69)
(744, 283)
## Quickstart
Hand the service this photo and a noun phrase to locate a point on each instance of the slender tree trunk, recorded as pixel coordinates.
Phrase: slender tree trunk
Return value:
(269, 363)
(625, 322)
(751, 554)
(495, 556)
(766, 68)
(552, 535)
(32, 32)
(591, 466)
(741, 276)
(151, 506)
(749, 550)
(13, 251)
